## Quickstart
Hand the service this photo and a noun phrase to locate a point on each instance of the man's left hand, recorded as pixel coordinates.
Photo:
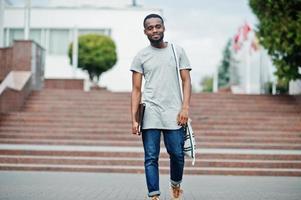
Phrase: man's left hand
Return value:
(183, 117)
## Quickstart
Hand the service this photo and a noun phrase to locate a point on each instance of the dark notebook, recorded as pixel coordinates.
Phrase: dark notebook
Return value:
(140, 114)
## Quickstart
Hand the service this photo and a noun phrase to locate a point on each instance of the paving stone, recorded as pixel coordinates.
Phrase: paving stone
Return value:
(91, 186)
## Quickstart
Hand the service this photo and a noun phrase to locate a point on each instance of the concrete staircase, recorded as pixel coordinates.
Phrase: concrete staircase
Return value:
(72, 130)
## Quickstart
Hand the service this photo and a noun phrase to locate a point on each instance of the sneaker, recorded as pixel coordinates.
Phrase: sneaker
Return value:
(155, 198)
(176, 192)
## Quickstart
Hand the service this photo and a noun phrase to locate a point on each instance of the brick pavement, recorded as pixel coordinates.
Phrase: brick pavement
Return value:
(91, 186)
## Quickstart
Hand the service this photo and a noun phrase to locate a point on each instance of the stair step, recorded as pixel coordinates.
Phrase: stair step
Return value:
(62, 130)
(134, 161)
(163, 170)
(230, 133)
(82, 151)
(129, 137)
(200, 144)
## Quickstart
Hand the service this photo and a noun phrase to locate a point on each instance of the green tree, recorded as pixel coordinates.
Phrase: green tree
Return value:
(279, 31)
(224, 67)
(207, 84)
(96, 54)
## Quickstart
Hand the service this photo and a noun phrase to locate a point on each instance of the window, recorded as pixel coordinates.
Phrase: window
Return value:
(15, 34)
(58, 41)
(18, 34)
(35, 34)
(55, 41)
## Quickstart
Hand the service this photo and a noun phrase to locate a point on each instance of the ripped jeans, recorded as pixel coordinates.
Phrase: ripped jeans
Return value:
(174, 143)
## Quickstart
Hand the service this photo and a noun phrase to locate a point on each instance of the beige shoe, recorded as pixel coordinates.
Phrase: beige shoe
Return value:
(155, 198)
(176, 193)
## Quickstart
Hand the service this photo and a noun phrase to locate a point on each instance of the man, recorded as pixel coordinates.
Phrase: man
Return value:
(165, 111)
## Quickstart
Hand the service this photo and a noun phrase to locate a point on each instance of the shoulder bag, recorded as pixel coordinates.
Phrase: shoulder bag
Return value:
(189, 143)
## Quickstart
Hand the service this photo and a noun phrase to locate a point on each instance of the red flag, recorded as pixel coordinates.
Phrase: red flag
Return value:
(245, 30)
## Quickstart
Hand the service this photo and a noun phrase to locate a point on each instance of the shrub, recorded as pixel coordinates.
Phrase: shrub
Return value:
(96, 54)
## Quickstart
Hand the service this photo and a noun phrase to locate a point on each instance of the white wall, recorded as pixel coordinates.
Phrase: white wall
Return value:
(126, 30)
(295, 86)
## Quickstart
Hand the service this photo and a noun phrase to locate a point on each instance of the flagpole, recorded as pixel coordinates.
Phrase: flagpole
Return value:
(262, 73)
(215, 81)
(248, 85)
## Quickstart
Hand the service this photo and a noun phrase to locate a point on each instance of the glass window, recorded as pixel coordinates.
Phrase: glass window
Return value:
(35, 34)
(58, 41)
(18, 34)
(15, 34)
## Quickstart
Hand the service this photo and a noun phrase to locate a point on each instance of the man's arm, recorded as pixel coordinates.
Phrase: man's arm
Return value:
(135, 100)
(186, 85)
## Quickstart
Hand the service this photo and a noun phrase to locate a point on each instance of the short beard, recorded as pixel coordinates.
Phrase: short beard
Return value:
(156, 41)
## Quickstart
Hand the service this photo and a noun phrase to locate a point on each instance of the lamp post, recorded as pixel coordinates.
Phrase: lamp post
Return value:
(215, 81)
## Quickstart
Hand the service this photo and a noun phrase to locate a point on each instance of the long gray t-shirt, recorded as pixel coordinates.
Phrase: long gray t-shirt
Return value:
(161, 89)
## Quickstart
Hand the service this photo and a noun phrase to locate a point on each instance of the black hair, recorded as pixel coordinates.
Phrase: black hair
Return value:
(152, 16)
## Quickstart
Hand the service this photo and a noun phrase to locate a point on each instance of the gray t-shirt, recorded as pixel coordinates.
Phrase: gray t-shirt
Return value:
(161, 89)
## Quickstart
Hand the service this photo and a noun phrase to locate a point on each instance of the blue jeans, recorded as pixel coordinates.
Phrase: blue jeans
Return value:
(174, 143)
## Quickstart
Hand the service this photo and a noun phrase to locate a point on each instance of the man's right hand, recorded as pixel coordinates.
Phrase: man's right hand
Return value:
(135, 128)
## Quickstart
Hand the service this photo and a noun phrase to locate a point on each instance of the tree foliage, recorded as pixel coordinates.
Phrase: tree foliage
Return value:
(207, 84)
(96, 54)
(279, 31)
(224, 67)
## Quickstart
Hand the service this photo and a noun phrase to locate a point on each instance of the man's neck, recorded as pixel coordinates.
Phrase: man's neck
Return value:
(159, 45)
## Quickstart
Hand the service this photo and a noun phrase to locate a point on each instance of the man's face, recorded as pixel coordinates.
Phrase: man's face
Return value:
(154, 30)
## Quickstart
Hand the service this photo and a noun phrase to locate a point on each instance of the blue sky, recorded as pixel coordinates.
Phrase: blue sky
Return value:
(201, 27)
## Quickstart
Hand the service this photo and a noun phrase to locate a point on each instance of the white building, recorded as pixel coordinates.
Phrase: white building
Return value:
(58, 23)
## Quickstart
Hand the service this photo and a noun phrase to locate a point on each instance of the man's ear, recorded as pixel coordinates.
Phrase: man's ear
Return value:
(144, 31)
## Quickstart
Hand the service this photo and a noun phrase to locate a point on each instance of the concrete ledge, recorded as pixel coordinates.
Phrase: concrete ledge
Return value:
(15, 80)
(14, 90)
